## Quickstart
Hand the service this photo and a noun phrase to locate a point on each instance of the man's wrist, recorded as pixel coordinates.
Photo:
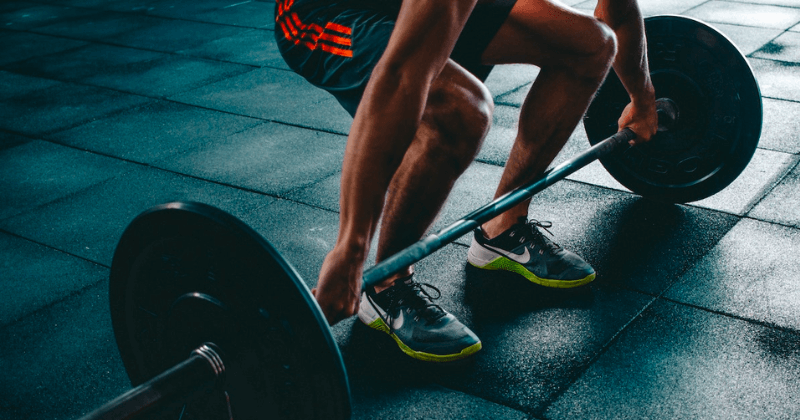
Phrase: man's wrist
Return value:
(643, 96)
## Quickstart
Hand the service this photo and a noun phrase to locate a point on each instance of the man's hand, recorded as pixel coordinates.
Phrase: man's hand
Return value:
(338, 290)
(642, 119)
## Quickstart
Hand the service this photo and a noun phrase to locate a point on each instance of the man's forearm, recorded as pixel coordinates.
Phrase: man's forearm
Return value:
(630, 64)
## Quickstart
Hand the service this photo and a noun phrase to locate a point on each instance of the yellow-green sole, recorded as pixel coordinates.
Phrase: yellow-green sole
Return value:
(379, 325)
(505, 264)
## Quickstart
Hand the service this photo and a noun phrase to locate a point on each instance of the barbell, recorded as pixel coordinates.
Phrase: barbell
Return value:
(213, 323)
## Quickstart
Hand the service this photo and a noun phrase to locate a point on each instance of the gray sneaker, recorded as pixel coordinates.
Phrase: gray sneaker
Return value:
(422, 329)
(524, 250)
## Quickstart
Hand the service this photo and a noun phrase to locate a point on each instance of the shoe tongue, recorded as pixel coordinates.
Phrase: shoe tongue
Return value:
(430, 311)
(403, 282)
(522, 223)
(397, 286)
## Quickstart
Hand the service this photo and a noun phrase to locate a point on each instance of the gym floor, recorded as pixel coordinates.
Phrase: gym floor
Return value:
(110, 107)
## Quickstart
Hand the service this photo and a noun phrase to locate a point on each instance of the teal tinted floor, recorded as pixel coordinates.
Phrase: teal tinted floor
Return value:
(108, 108)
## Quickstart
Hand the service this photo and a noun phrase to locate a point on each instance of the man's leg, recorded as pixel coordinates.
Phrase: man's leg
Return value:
(456, 120)
(574, 52)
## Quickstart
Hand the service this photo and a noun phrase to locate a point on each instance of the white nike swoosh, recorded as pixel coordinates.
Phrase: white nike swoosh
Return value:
(397, 323)
(523, 258)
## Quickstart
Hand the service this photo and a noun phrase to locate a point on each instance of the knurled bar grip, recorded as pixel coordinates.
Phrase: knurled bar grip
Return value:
(468, 223)
(202, 370)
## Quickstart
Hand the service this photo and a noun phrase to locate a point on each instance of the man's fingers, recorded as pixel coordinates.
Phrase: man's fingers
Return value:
(638, 139)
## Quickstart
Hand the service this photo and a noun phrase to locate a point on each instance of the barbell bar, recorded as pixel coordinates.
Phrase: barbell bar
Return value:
(212, 322)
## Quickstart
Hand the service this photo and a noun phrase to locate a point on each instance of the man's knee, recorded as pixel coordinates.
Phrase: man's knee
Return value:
(602, 48)
(460, 114)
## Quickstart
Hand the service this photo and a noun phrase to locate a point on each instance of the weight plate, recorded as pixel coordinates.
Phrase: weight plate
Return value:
(187, 273)
(719, 114)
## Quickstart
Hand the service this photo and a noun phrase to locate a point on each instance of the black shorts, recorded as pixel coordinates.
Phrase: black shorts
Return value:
(336, 45)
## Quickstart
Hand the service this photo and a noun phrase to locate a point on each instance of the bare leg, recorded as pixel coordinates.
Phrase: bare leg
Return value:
(574, 52)
(457, 118)
(455, 121)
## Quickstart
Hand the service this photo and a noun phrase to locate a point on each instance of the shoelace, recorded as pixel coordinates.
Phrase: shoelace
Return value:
(410, 294)
(542, 240)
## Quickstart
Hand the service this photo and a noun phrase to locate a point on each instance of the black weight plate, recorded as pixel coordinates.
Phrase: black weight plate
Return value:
(719, 122)
(187, 273)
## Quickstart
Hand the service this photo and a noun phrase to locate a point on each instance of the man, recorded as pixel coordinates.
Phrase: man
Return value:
(410, 72)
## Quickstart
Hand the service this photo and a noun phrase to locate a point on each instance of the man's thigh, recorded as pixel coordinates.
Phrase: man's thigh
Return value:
(543, 33)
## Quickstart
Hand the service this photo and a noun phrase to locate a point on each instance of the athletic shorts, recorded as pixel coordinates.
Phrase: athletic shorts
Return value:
(335, 45)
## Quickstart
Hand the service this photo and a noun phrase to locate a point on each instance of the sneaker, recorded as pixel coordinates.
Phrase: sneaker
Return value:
(422, 329)
(525, 250)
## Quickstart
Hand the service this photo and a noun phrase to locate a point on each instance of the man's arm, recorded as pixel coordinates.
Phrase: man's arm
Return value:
(625, 19)
(385, 124)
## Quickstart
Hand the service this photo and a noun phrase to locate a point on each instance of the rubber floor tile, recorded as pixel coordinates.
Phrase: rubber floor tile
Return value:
(12, 5)
(777, 79)
(168, 76)
(787, 3)
(780, 130)
(18, 46)
(90, 61)
(8, 140)
(270, 158)
(36, 172)
(173, 35)
(749, 274)
(135, 6)
(256, 48)
(324, 193)
(252, 14)
(16, 85)
(90, 223)
(182, 9)
(154, 131)
(39, 15)
(402, 403)
(506, 78)
(683, 363)
(37, 276)
(651, 7)
(514, 98)
(780, 206)
(130, 70)
(746, 38)
(765, 169)
(783, 48)
(648, 7)
(60, 107)
(62, 361)
(762, 16)
(99, 25)
(303, 235)
(274, 95)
